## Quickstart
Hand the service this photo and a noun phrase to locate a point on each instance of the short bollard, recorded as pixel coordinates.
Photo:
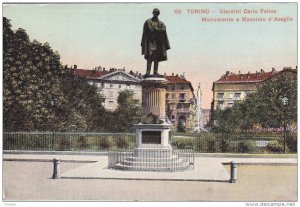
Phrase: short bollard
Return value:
(56, 169)
(233, 172)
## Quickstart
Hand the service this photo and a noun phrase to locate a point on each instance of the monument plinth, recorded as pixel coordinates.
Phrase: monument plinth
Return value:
(153, 129)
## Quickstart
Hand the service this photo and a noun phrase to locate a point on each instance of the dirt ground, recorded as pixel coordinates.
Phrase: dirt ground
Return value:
(31, 181)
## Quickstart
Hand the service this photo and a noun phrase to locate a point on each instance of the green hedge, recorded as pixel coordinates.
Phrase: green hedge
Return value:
(233, 143)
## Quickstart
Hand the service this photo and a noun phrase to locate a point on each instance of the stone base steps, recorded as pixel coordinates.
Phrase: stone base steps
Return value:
(152, 159)
(136, 163)
(153, 163)
(146, 167)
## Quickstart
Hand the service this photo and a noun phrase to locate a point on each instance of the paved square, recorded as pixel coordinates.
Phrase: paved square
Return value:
(205, 170)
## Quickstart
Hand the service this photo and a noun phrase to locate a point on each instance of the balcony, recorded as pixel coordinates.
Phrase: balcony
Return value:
(183, 110)
(182, 100)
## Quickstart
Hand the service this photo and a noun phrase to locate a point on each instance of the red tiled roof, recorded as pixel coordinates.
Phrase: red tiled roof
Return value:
(249, 77)
(90, 73)
(176, 79)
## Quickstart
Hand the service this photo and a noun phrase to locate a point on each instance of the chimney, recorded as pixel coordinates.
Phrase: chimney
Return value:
(172, 74)
(262, 71)
(239, 72)
(273, 70)
(75, 67)
(227, 73)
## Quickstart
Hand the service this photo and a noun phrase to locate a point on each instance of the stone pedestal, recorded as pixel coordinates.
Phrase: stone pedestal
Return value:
(152, 136)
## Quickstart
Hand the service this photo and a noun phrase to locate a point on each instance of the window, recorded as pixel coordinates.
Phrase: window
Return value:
(220, 105)
(173, 87)
(111, 103)
(120, 86)
(127, 86)
(173, 117)
(230, 95)
(111, 94)
(111, 85)
(173, 95)
(230, 104)
(167, 95)
(181, 97)
(103, 85)
(237, 96)
(247, 93)
(220, 95)
(182, 87)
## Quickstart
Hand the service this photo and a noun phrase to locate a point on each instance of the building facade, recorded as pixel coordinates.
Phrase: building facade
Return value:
(111, 83)
(231, 87)
(180, 100)
(180, 97)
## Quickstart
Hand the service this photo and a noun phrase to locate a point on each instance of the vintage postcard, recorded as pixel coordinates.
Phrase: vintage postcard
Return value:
(135, 101)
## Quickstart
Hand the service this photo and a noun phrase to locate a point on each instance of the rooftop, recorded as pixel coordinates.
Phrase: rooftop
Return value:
(177, 79)
(90, 73)
(95, 73)
(250, 77)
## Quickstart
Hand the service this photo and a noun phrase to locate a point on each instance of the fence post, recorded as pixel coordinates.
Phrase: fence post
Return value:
(233, 172)
(56, 169)
(53, 135)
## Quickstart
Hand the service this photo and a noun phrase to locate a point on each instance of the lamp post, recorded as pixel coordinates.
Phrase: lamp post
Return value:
(285, 102)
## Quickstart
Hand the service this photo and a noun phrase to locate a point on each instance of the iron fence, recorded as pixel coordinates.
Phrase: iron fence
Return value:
(63, 141)
(202, 143)
(168, 160)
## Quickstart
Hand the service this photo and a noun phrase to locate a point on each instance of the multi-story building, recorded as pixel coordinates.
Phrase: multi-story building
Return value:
(180, 100)
(111, 82)
(179, 95)
(235, 87)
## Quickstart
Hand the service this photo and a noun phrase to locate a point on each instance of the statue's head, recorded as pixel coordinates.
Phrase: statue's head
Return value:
(156, 12)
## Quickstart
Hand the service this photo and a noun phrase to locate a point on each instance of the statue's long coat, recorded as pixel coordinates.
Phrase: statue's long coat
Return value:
(160, 36)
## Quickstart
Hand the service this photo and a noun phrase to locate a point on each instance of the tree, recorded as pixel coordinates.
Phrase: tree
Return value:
(38, 94)
(30, 78)
(269, 106)
(127, 113)
(264, 107)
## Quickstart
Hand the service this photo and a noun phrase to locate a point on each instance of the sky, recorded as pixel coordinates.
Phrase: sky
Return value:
(109, 35)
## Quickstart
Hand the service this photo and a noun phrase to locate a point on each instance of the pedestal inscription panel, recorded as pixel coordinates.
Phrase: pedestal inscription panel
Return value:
(151, 137)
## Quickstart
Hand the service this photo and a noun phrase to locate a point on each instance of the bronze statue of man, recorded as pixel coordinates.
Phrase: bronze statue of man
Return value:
(155, 42)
